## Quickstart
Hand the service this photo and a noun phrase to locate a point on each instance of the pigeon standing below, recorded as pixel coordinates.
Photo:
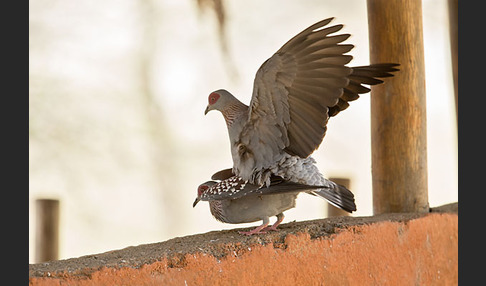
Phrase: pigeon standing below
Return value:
(233, 200)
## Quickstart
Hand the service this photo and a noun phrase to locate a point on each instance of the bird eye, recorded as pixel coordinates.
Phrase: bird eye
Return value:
(213, 97)
(202, 189)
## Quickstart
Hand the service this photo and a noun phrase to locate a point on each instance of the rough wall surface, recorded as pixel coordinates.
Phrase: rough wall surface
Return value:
(391, 249)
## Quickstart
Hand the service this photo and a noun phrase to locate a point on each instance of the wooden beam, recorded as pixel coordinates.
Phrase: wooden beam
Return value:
(398, 110)
(47, 230)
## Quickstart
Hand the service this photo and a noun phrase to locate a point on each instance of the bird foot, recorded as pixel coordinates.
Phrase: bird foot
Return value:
(259, 230)
(271, 228)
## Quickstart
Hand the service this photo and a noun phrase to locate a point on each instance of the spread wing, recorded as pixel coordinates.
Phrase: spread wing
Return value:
(292, 93)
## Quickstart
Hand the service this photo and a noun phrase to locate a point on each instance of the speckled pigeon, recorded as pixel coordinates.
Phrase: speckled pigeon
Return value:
(234, 200)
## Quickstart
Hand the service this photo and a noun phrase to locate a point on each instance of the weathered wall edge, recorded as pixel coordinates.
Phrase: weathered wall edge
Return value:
(415, 247)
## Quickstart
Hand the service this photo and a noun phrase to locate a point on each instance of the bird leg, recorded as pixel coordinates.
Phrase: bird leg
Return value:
(258, 230)
(280, 218)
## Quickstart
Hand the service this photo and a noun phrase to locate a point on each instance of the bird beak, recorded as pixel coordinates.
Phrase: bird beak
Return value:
(207, 110)
(196, 201)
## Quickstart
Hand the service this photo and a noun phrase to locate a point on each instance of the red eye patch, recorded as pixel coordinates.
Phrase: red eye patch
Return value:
(213, 97)
(202, 189)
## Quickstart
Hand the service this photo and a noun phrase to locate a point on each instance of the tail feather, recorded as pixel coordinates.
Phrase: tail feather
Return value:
(337, 195)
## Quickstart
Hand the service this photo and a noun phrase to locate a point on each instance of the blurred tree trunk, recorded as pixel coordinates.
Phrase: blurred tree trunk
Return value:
(217, 6)
(161, 148)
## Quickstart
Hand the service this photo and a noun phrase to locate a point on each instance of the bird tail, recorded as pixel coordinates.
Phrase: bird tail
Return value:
(338, 196)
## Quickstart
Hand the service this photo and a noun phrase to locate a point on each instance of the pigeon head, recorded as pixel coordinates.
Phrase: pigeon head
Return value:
(220, 100)
(227, 104)
(201, 190)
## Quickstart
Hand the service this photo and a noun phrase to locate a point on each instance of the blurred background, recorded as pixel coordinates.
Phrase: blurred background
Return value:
(117, 92)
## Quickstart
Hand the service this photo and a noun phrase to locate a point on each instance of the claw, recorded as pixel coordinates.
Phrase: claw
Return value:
(258, 230)
(270, 228)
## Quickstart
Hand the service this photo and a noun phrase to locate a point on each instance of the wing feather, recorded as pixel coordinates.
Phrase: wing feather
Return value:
(362, 75)
(292, 93)
(235, 187)
(296, 91)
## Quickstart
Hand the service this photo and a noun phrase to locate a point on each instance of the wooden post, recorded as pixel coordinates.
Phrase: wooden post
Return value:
(332, 210)
(453, 26)
(47, 230)
(398, 117)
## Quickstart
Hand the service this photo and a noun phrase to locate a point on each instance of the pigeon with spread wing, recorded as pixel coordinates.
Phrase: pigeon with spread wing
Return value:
(295, 92)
